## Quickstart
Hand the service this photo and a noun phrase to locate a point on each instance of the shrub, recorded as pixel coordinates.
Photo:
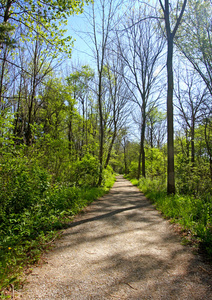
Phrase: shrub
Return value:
(21, 184)
(133, 170)
(42, 210)
(87, 170)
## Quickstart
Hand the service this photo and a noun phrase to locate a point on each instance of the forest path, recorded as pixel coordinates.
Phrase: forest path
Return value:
(120, 248)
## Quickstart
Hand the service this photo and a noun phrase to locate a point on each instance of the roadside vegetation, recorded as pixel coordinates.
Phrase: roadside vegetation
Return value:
(191, 206)
(67, 128)
(194, 215)
(34, 208)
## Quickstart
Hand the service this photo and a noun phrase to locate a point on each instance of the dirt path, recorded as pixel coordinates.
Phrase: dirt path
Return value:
(121, 248)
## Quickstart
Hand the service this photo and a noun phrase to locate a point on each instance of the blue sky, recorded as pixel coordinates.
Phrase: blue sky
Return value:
(77, 28)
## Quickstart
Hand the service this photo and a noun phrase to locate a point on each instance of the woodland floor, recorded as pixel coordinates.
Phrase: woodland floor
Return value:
(119, 248)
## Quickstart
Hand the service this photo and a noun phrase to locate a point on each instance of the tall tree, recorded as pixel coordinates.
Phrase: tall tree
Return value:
(156, 129)
(208, 140)
(101, 20)
(37, 66)
(29, 20)
(191, 103)
(81, 81)
(118, 97)
(140, 50)
(195, 38)
(171, 30)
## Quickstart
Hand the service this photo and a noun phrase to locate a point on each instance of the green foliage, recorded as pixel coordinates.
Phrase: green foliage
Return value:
(155, 163)
(33, 210)
(79, 80)
(193, 179)
(42, 186)
(21, 184)
(134, 181)
(6, 135)
(133, 169)
(108, 177)
(87, 170)
(5, 34)
(40, 19)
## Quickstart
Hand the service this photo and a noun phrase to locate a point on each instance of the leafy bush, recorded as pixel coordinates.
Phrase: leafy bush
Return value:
(108, 177)
(192, 179)
(155, 163)
(42, 209)
(85, 171)
(133, 170)
(22, 184)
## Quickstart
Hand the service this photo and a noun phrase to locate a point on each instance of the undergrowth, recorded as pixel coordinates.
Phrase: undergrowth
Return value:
(27, 229)
(194, 215)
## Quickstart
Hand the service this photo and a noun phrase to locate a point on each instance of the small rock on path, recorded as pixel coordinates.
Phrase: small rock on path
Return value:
(120, 248)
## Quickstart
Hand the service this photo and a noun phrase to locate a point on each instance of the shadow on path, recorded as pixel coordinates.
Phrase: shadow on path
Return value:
(112, 213)
(120, 248)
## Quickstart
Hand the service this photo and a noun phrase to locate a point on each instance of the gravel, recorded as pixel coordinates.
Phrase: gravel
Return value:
(120, 247)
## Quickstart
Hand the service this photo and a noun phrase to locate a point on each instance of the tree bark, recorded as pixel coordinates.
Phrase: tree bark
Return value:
(101, 130)
(170, 118)
(125, 158)
(2, 74)
(192, 146)
(110, 149)
(141, 158)
(32, 97)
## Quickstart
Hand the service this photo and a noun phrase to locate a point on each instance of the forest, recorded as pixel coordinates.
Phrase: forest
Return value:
(140, 107)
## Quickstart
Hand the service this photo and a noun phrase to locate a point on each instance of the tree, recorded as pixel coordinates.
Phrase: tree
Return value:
(140, 49)
(117, 100)
(191, 104)
(30, 20)
(156, 129)
(80, 81)
(195, 39)
(100, 36)
(170, 35)
(208, 140)
(37, 66)
(43, 14)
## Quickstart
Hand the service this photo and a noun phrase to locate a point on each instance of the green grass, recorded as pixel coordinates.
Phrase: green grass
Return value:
(194, 215)
(134, 181)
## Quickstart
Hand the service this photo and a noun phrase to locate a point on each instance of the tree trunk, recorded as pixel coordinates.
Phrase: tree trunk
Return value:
(208, 145)
(125, 158)
(142, 151)
(6, 18)
(170, 125)
(2, 75)
(211, 167)
(32, 97)
(110, 148)
(187, 144)
(151, 134)
(7, 10)
(101, 130)
(192, 146)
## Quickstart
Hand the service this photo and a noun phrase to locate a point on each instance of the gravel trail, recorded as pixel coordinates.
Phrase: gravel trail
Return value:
(119, 248)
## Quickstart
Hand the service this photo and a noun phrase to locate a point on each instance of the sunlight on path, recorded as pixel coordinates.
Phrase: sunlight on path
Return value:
(120, 248)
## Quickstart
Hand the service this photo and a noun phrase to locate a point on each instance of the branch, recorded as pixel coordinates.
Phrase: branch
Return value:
(179, 19)
(139, 21)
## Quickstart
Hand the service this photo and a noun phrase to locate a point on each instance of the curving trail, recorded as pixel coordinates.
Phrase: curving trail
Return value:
(120, 248)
